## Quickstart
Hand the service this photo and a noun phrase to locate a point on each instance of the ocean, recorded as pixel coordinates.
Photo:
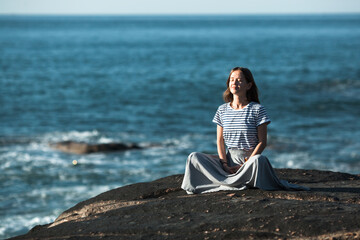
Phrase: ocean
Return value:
(157, 81)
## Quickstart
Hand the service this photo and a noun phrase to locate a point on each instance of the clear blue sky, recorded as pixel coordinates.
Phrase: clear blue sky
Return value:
(177, 6)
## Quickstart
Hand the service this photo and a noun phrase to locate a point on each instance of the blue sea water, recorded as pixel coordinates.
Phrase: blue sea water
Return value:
(158, 80)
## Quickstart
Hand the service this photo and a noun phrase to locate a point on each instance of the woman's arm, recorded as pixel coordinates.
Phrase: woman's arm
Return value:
(220, 143)
(262, 136)
(222, 152)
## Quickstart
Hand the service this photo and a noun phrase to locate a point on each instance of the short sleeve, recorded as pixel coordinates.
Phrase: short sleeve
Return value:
(217, 118)
(262, 116)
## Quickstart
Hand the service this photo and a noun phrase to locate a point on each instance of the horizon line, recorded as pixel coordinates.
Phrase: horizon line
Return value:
(177, 14)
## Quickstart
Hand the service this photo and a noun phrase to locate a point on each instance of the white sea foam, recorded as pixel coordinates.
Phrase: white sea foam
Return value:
(71, 196)
(304, 160)
(106, 140)
(70, 136)
(291, 160)
(92, 136)
(24, 222)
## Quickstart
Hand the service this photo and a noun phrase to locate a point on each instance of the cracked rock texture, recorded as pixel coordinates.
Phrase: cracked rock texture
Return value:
(162, 210)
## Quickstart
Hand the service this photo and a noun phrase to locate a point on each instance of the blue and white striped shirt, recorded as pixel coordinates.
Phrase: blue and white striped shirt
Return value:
(240, 126)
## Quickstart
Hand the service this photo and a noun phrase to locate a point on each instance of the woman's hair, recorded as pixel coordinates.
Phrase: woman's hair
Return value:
(252, 94)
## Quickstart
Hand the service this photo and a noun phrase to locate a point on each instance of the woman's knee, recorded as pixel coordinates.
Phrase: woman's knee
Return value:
(194, 156)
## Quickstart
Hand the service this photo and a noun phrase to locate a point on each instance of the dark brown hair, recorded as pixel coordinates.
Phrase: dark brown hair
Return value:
(252, 94)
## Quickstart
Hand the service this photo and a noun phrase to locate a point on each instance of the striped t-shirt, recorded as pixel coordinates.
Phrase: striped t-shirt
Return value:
(240, 126)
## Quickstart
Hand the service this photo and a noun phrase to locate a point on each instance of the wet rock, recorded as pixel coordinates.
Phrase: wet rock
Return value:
(162, 210)
(85, 148)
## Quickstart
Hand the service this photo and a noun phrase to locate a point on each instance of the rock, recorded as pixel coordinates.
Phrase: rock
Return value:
(162, 210)
(85, 148)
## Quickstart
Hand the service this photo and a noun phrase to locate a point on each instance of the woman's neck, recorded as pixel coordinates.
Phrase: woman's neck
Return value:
(239, 102)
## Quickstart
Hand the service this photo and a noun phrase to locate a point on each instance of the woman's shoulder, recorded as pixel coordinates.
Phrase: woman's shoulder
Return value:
(223, 107)
(256, 106)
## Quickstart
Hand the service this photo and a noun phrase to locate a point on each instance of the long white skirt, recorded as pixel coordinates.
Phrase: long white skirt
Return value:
(204, 173)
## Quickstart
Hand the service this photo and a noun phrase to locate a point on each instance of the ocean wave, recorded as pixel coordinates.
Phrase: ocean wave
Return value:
(24, 222)
(81, 136)
(349, 88)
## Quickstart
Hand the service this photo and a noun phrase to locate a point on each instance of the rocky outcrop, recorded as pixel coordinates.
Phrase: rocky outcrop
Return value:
(85, 148)
(162, 210)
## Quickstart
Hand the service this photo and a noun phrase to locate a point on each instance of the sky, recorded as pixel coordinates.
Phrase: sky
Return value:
(118, 7)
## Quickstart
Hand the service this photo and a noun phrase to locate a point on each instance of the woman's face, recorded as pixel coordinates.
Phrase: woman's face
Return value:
(238, 83)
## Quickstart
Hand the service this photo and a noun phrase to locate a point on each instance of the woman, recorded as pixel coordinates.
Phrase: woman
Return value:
(242, 127)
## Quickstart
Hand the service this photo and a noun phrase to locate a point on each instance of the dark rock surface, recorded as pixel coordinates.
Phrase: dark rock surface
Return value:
(85, 148)
(162, 210)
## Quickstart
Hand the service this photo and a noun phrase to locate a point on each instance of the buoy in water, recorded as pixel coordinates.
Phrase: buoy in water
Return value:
(74, 162)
